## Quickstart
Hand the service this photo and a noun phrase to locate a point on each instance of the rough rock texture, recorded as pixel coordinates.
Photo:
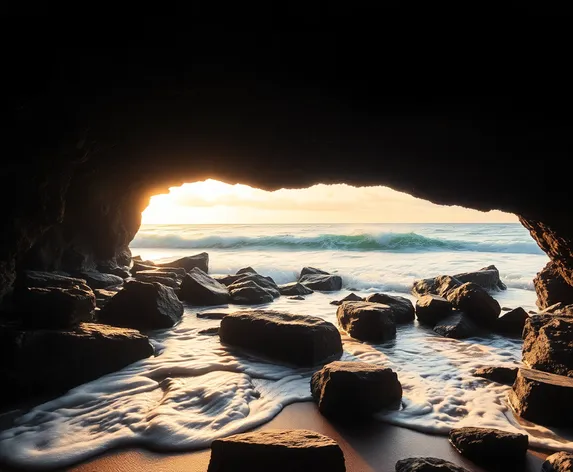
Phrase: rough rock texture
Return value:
(143, 306)
(511, 322)
(54, 360)
(295, 339)
(103, 296)
(430, 309)
(543, 398)
(371, 322)
(354, 390)
(311, 271)
(551, 287)
(548, 344)
(427, 464)
(558, 462)
(502, 375)
(276, 450)
(200, 261)
(487, 278)
(402, 308)
(324, 283)
(98, 280)
(294, 288)
(265, 282)
(441, 285)
(490, 446)
(200, 289)
(457, 326)
(249, 293)
(476, 303)
(351, 297)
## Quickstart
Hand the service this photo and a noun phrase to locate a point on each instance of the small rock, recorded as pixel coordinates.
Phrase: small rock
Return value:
(209, 331)
(502, 375)
(200, 289)
(511, 322)
(531, 312)
(294, 288)
(199, 261)
(354, 390)
(402, 308)
(558, 462)
(457, 326)
(324, 283)
(246, 270)
(490, 446)
(430, 309)
(296, 297)
(352, 297)
(266, 283)
(277, 451)
(487, 278)
(249, 293)
(441, 285)
(504, 308)
(427, 464)
(476, 303)
(312, 271)
(371, 322)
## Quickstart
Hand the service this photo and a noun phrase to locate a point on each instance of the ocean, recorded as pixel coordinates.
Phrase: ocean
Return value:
(195, 389)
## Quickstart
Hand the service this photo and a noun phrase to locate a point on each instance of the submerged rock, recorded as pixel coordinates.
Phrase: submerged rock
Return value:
(441, 285)
(371, 322)
(502, 375)
(487, 278)
(249, 293)
(144, 306)
(476, 303)
(294, 288)
(558, 462)
(98, 280)
(430, 309)
(295, 339)
(277, 451)
(351, 297)
(212, 315)
(322, 282)
(490, 446)
(41, 362)
(199, 261)
(551, 288)
(402, 308)
(200, 289)
(512, 322)
(354, 390)
(548, 344)
(296, 297)
(543, 398)
(427, 464)
(457, 326)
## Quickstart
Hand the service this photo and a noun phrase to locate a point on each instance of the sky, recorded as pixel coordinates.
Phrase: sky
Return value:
(214, 202)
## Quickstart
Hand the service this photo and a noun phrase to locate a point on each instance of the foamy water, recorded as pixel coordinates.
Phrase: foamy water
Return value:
(195, 389)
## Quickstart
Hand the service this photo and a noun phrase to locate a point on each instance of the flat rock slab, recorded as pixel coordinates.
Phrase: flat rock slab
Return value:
(543, 398)
(200, 289)
(355, 390)
(430, 309)
(402, 308)
(371, 322)
(488, 445)
(36, 278)
(296, 450)
(502, 375)
(474, 300)
(295, 339)
(558, 462)
(427, 464)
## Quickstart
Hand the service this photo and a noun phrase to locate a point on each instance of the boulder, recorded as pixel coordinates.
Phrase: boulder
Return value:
(402, 308)
(457, 326)
(430, 309)
(487, 278)
(427, 464)
(143, 306)
(511, 322)
(278, 451)
(551, 288)
(558, 462)
(246, 270)
(548, 344)
(476, 303)
(295, 339)
(441, 285)
(249, 293)
(294, 288)
(351, 297)
(490, 446)
(265, 282)
(227, 279)
(543, 398)
(199, 261)
(98, 280)
(324, 283)
(312, 271)
(200, 289)
(502, 375)
(371, 322)
(354, 390)
(42, 362)
(168, 281)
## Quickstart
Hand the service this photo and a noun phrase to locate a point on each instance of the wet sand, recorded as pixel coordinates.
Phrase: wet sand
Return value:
(372, 447)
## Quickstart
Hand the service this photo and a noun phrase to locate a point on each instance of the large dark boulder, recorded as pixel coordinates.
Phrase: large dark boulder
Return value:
(543, 398)
(511, 322)
(548, 344)
(294, 288)
(558, 462)
(402, 308)
(40, 362)
(278, 451)
(312, 271)
(551, 288)
(200, 261)
(458, 326)
(249, 293)
(200, 289)
(99, 280)
(354, 390)
(262, 281)
(351, 297)
(295, 339)
(490, 446)
(476, 303)
(487, 278)
(143, 306)
(441, 285)
(321, 282)
(502, 375)
(430, 309)
(371, 322)
(427, 464)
